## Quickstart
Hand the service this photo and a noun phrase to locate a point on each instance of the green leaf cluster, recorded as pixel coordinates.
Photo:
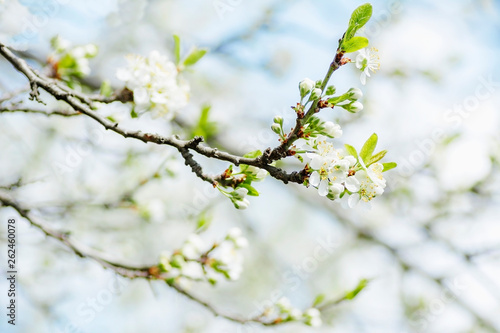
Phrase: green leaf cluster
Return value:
(194, 55)
(205, 127)
(359, 18)
(367, 155)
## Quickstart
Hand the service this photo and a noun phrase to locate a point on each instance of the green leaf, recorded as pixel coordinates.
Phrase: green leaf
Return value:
(194, 56)
(318, 300)
(205, 127)
(203, 222)
(368, 148)
(106, 89)
(354, 44)
(253, 154)
(389, 166)
(67, 61)
(251, 190)
(133, 114)
(330, 90)
(360, 16)
(353, 293)
(338, 99)
(177, 49)
(377, 157)
(351, 150)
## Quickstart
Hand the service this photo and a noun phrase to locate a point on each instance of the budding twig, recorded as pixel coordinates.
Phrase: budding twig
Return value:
(84, 104)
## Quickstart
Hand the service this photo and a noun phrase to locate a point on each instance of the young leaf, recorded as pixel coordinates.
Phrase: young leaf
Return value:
(360, 16)
(330, 90)
(106, 89)
(368, 148)
(377, 157)
(319, 299)
(253, 154)
(194, 56)
(389, 166)
(203, 222)
(354, 44)
(133, 114)
(351, 150)
(251, 190)
(205, 127)
(177, 49)
(353, 293)
(338, 99)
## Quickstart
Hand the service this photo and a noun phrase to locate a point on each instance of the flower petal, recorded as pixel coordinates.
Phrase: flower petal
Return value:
(314, 179)
(323, 188)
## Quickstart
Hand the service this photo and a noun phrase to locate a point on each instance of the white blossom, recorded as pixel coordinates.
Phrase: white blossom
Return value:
(330, 168)
(229, 259)
(155, 83)
(371, 184)
(192, 270)
(193, 247)
(367, 60)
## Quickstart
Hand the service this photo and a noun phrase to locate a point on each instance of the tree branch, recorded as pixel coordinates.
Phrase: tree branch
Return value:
(281, 151)
(127, 271)
(28, 110)
(82, 103)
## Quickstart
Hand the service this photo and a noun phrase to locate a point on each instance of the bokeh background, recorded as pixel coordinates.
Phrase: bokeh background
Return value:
(429, 245)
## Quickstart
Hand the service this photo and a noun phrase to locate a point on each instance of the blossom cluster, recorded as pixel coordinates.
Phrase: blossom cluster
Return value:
(283, 311)
(68, 60)
(242, 182)
(338, 175)
(155, 83)
(198, 260)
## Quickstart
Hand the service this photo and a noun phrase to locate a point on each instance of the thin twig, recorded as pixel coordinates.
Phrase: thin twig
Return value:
(52, 113)
(128, 271)
(82, 103)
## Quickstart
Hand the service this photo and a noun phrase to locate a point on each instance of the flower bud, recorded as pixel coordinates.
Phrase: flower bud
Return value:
(332, 129)
(241, 204)
(276, 128)
(239, 193)
(353, 107)
(278, 120)
(356, 107)
(355, 94)
(315, 94)
(305, 87)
